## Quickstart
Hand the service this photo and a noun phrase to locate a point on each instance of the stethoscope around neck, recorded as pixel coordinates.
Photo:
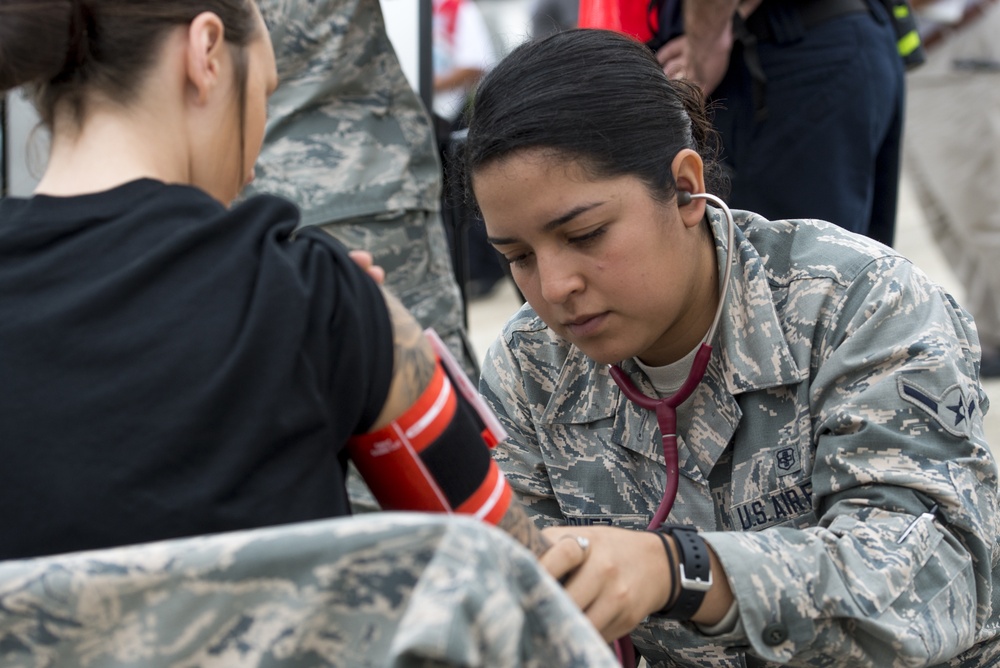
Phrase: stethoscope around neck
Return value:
(666, 409)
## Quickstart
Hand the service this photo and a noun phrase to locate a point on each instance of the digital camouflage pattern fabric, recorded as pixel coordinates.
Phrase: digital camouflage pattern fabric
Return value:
(348, 141)
(842, 401)
(399, 590)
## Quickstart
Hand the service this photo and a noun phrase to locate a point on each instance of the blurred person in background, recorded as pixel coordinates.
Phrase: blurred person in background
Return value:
(807, 97)
(463, 52)
(952, 151)
(349, 141)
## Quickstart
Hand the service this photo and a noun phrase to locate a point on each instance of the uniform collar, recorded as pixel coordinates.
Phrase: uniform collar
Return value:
(750, 344)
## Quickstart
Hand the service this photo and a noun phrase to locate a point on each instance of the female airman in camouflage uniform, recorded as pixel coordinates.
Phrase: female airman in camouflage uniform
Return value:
(833, 457)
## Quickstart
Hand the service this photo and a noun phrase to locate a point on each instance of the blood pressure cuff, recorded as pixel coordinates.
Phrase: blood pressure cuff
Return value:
(434, 458)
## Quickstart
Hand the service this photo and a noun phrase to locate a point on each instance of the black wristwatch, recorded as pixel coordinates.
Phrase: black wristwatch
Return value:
(694, 571)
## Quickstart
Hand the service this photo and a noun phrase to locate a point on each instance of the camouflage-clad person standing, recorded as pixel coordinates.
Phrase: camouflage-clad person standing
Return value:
(350, 143)
(832, 459)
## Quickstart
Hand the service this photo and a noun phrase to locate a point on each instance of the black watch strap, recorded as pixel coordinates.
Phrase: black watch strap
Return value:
(694, 571)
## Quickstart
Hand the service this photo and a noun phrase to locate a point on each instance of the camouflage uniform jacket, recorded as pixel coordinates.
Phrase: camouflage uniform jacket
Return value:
(388, 590)
(346, 137)
(840, 403)
(350, 143)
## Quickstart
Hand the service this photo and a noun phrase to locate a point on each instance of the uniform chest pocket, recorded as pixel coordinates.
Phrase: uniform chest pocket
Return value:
(594, 477)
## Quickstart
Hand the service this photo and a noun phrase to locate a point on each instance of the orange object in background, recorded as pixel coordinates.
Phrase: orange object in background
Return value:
(632, 17)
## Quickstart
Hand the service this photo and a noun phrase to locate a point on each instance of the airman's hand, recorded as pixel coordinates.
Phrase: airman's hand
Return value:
(365, 260)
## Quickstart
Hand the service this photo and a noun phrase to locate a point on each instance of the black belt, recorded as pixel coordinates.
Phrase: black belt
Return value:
(784, 21)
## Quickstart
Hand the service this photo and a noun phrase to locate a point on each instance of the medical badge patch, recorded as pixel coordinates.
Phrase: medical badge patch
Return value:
(786, 459)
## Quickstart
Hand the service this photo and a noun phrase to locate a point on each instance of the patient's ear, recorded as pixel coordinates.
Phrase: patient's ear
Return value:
(207, 56)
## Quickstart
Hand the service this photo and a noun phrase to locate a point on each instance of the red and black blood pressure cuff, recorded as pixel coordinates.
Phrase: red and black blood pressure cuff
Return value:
(433, 458)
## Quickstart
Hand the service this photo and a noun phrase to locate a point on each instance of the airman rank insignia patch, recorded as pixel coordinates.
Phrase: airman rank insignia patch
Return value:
(953, 411)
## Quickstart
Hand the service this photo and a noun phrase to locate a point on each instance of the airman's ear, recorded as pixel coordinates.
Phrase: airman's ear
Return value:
(688, 170)
(206, 55)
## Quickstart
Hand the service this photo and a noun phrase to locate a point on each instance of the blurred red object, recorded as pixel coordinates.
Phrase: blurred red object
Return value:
(600, 14)
(632, 17)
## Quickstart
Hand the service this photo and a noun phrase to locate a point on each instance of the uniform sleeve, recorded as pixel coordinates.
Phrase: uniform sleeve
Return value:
(896, 411)
(520, 456)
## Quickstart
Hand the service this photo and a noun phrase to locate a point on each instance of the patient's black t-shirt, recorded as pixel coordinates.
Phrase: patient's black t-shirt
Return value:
(170, 367)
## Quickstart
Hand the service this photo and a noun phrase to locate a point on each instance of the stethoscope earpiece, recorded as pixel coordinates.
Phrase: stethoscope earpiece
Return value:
(683, 198)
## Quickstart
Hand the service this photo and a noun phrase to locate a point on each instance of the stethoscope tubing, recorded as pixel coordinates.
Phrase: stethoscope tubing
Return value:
(666, 418)
(666, 409)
